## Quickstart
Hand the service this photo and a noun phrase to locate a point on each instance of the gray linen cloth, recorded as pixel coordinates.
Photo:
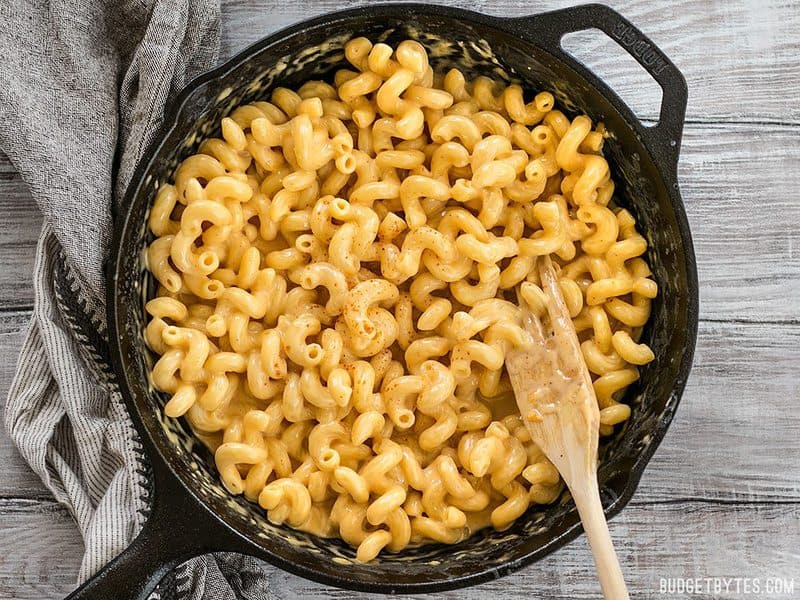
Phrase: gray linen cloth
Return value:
(83, 86)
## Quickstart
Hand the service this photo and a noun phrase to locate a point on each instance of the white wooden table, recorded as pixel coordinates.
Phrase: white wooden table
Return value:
(721, 497)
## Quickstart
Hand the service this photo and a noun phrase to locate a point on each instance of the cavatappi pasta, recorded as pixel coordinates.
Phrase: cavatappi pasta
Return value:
(339, 280)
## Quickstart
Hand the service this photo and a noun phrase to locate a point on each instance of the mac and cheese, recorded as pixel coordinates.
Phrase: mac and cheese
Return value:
(339, 276)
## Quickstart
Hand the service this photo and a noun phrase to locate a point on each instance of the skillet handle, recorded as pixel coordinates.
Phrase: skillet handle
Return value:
(552, 26)
(178, 529)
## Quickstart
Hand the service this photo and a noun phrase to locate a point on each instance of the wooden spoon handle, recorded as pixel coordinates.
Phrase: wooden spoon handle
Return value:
(605, 557)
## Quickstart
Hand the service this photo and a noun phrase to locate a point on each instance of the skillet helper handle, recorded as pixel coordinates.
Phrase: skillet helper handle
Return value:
(552, 26)
(178, 529)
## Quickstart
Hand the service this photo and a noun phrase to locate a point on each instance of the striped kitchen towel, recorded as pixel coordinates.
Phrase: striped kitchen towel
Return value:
(84, 85)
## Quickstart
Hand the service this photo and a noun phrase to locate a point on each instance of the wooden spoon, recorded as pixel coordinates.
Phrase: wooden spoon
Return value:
(558, 405)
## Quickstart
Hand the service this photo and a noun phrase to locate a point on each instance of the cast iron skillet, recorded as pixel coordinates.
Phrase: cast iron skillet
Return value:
(190, 512)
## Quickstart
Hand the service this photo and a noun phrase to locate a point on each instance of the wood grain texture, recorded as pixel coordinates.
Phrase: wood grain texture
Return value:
(689, 540)
(694, 539)
(748, 258)
(735, 437)
(739, 58)
(40, 550)
(18, 235)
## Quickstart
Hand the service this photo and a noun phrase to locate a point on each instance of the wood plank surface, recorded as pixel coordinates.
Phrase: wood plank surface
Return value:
(40, 550)
(739, 58)
(747, 258)
(735, 437)
(654, 541)
(18, 235)
(688, 540)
